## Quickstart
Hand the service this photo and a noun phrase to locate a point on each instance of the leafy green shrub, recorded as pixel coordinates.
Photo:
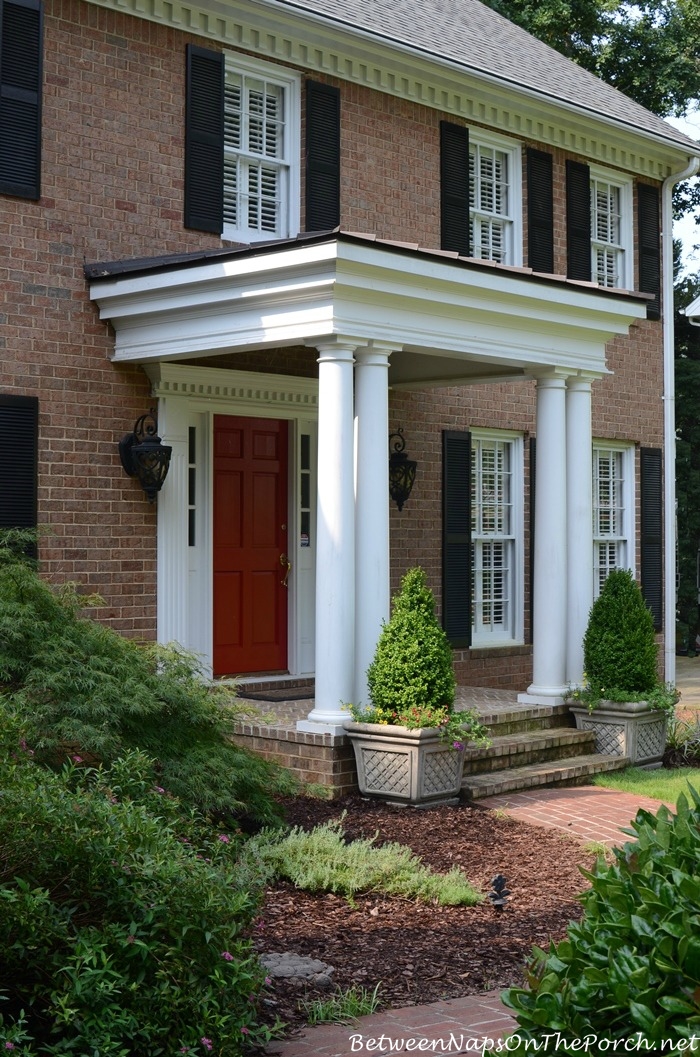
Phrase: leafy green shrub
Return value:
(83, 689)
(619, 647)
(321, 860)
(631, 965)
(412, 666)
(411, 679)
(122, 921)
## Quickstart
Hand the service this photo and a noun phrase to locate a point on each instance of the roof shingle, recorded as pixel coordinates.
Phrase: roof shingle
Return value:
(469, 34)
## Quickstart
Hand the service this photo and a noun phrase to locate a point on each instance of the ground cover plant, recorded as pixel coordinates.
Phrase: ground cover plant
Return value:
(324, 860)
(124, 919)
(82, 689)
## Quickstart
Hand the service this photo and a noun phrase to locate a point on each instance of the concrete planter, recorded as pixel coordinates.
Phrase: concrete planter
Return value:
(405, 766)
(625, 728)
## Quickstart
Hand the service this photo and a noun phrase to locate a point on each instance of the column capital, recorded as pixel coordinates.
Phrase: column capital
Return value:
(582, 381)
(372, 357)
(337, 347)
(552, 380)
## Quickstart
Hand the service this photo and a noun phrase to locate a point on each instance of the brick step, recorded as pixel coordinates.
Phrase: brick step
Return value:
(515, 719)
(575, 771)
(529, 747)
(274, 688)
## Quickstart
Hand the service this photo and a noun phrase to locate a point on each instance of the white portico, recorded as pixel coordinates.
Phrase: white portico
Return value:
(373, 315)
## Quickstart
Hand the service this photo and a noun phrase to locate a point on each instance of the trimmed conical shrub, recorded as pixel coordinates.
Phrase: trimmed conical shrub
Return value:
(412, 666)
(619, 647)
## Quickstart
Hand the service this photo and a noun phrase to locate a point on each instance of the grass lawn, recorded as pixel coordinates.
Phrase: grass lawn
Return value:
(660, 783)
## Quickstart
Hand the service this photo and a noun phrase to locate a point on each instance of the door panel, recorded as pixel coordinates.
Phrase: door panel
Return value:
(250, 534)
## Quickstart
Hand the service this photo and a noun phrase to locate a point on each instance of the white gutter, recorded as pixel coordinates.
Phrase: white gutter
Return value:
(670, 418)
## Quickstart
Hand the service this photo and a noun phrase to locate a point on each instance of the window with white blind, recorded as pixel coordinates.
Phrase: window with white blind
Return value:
(496, 538)
(613, 511)
(495, 199)
(261, 144)
(611, 230)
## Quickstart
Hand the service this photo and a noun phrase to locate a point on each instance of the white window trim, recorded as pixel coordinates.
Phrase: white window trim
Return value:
(516, 638)
(628, 503)
(626, 222)
(290, 82)
(480, 137)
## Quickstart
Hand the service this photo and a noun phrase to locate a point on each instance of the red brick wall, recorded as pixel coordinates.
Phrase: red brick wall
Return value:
(112, 183)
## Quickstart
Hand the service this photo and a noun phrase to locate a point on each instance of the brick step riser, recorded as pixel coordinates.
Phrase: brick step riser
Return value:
(569, 773)
(522, 756)
(510, 724)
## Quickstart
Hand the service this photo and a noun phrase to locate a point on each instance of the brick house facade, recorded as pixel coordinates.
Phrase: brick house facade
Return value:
(469, 249)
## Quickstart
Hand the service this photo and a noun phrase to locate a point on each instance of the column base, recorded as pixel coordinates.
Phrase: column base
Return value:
(325, 724)
(543, 695)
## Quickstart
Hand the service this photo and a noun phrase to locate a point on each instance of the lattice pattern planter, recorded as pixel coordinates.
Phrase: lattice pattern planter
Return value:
(625, 728)
(405, 766)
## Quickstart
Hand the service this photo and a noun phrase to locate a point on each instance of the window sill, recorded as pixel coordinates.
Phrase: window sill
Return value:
(513, 649)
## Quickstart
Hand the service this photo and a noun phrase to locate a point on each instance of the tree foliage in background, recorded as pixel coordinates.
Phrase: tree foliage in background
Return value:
(647, 50)
(687, 350)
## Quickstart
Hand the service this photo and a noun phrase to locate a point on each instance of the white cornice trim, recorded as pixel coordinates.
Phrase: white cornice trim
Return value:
(448, 317)
(304, 40)
(220, 385)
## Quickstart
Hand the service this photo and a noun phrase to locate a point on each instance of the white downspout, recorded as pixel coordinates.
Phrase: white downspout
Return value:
(670, 418)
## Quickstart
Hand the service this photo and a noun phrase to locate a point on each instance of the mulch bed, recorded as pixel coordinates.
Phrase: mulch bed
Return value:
(419, 953)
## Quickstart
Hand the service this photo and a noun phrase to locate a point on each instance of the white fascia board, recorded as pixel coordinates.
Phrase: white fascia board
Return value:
(348, 286)
(436, 304)
(227, 278)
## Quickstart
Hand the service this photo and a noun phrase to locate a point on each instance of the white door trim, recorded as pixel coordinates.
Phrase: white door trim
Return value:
(191, 396)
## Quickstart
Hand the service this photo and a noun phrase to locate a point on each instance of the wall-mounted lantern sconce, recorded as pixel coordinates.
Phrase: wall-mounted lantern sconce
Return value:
(144, 456)
(402, 470)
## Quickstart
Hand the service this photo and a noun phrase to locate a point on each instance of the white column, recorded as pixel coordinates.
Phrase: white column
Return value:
(549, 587)
(172, 563)
(371, 508)
(335, 534)
(579, 520)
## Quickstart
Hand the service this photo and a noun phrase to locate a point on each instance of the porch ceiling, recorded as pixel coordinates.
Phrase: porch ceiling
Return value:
(449, 319)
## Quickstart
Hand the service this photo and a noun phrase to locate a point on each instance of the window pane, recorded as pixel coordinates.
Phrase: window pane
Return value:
(606, 227)
(609, 521)
(255, 170)
(489, 199)
(493, 545)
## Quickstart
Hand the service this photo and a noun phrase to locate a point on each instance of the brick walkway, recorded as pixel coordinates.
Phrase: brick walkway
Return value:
(586, 812)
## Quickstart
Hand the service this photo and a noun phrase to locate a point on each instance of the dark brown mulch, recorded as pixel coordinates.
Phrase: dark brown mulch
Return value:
(419, 953)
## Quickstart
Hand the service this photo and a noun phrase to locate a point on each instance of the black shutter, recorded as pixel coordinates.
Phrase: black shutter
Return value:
(204, 140)
(18, 461)
(533, 496)
(649, 247)
(651, 496)
(322, 156)
(540, 211)
(578, 221)
(21, 47)
(454, 189)
(456, 537)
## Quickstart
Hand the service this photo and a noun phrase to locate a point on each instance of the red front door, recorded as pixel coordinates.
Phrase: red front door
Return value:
(250, 538)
